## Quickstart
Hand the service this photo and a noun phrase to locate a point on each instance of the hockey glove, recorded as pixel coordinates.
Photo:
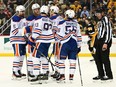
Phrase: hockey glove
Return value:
(78, 49)
(26, 30)
(26, 36)
(31, 41)
(91, 49)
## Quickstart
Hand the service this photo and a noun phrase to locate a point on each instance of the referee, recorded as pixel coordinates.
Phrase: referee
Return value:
(102, 44)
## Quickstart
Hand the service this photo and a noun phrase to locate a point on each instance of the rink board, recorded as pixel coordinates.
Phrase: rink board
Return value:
(7, 51)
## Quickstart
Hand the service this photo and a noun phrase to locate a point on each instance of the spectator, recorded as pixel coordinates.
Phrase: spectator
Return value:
(85, 12)
(2, 16)
(7, 13)
(113, 21)
(5, 2)
(11, 5)
(71, 1)
(75, 6)
(56, 2)
(2, 5)
(78, 13)
(82, 22)
(85, 3)
(111, 3)
(19, 2)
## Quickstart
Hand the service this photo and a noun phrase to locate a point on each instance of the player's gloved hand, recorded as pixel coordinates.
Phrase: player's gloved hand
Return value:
(55, 29)
(31, 41)
(26, 36)
(78, 49)
(56, 39)
(26, 31)
(91, 49)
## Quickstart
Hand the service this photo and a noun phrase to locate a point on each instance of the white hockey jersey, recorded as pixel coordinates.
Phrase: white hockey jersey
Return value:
(17, 25)
(42, 31)
(56, 19)
(30, 20)
(30, 23)
(69, 29)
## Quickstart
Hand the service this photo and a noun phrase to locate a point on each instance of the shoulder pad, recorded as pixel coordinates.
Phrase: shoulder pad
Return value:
(38, 17)
(16, 18)
(61, 22)
(31, 17)
(53, 17)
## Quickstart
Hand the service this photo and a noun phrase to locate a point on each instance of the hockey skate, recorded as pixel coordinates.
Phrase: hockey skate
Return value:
(61, 79)
(36, 79)
(45, 78)
(30, 75)
(91, 60)
(16, 76)
(55, 75)
(23, 76)
(71, 78)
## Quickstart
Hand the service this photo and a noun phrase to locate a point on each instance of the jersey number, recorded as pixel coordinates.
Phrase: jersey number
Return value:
(47, 26)
(70, 29)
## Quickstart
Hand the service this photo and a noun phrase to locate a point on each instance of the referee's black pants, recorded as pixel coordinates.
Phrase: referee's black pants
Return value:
(102, 59)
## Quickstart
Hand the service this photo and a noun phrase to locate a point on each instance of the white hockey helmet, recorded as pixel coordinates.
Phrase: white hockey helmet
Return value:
(70, 13)
(44, 9)
(35, 6)
(54, 9)
(20, 8)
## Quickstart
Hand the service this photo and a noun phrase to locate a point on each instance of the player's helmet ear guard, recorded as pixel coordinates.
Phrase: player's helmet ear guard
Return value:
(70, 13)
(44, 9)
(54, 9)
(35, 6)
(20, 8)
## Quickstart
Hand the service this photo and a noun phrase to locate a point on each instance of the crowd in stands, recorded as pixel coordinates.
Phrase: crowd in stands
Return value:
(82, 8)
(86, 8)
(7, 9)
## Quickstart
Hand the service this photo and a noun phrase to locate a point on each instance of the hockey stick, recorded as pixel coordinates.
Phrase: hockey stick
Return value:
(80, 71)
(51, 54)
(50, 60)
(27, 67)
(26, 38)
(46, 58)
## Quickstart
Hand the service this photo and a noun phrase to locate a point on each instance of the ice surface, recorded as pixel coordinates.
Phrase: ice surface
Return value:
(88, 70)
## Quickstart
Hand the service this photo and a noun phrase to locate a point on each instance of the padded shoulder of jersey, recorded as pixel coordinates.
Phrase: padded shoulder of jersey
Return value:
(54, 17)
(39, 17)
(61, 22)
(31, 17)
(16, 18)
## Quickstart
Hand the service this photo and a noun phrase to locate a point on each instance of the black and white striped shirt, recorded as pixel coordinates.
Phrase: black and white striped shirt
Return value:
(104, 30)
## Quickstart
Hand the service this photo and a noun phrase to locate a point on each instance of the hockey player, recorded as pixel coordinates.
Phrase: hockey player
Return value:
(43, 36)
(28, 30)
(18, 22)
(55, 17)
(91, 32)
(69, 36)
